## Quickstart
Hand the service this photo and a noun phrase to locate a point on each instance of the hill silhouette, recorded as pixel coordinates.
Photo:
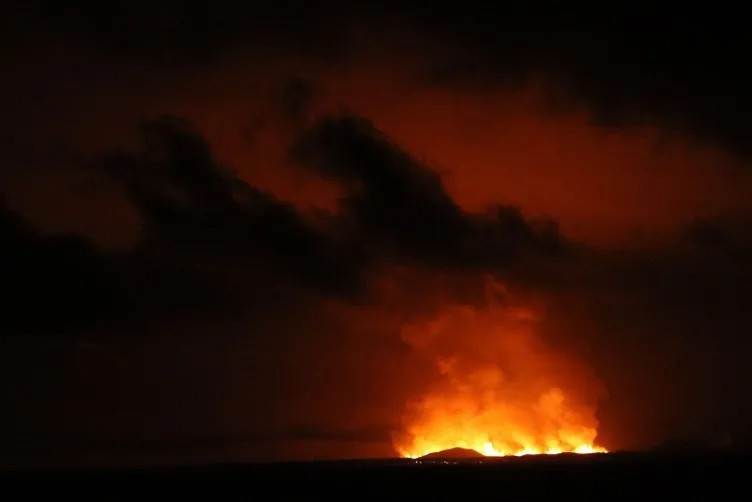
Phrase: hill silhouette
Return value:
(453, 454)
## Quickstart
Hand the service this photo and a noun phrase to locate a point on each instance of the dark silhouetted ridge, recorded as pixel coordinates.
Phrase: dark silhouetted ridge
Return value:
(453, 453)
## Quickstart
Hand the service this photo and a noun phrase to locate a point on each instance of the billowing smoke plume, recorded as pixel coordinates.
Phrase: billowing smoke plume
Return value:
(500, 389)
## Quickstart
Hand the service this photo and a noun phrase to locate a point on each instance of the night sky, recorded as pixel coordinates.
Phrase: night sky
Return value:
(226, 231)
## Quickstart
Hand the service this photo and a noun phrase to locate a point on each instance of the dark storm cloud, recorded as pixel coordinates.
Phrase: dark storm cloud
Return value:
(210, 241)
(400, 206)
(190, 202)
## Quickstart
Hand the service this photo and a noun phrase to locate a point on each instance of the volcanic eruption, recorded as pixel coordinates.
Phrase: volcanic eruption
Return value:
(499, 389)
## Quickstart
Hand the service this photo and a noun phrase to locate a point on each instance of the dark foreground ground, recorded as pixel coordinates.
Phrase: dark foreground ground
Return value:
(632, 476)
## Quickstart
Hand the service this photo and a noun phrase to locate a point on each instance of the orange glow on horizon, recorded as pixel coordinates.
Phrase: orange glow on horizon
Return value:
(438, 435)
(488, 450)
(500, 389)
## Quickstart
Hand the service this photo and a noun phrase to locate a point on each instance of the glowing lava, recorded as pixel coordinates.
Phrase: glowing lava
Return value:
(500, 390)
(555, 431)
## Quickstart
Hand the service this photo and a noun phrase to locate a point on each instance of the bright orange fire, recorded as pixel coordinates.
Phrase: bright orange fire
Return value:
(501, 390)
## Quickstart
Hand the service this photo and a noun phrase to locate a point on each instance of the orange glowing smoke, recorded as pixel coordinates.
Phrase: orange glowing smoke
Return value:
(500, 389)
